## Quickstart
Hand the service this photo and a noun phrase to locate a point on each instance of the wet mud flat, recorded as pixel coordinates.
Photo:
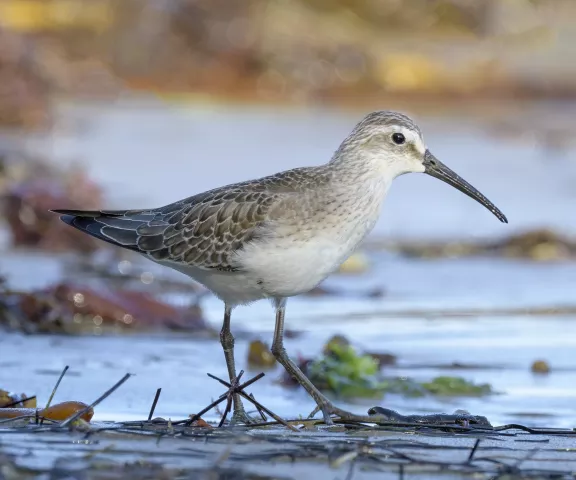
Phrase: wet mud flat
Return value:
(166, 450)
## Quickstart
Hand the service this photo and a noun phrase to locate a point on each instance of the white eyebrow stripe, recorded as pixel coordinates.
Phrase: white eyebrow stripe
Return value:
(411, 136)
(414, 138)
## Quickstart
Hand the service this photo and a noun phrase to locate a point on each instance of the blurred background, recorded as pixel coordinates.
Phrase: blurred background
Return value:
(139, 103)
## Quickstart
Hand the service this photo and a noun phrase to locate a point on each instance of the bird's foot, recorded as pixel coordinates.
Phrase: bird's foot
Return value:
(328, 409)
(240, 417)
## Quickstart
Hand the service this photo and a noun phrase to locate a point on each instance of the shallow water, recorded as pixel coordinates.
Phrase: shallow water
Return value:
(503, 349)
(427, 325)
(152, 154)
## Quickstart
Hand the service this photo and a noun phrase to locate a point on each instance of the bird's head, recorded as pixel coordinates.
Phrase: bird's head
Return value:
(392, 145)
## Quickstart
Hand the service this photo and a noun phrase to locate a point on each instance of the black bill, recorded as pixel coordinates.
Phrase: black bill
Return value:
(436, 168)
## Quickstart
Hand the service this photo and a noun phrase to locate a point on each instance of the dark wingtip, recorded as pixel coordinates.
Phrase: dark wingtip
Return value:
(61, 211)
(79, 213)
(68, 219)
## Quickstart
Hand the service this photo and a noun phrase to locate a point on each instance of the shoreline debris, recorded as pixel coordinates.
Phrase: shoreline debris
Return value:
(58, 412)
(378, 442)
(30, 187)
(540, 245)
(75, 308)
(541, 367)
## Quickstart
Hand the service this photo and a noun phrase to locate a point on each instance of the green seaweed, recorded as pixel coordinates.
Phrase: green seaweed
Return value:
(344, 372)
(456, 386)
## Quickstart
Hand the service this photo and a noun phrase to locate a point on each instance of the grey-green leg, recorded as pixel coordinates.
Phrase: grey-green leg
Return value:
(227, 341)
(278, 350)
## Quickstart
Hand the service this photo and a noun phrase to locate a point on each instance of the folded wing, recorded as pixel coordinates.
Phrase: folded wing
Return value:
(203, 231)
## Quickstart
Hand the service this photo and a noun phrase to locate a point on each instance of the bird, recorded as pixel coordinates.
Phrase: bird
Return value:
(279, 236)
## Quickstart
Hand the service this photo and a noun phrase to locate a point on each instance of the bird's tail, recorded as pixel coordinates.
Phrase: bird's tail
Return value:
(112, 226)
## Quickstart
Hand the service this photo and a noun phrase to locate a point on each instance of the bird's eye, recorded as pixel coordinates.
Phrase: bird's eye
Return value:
(398, 138)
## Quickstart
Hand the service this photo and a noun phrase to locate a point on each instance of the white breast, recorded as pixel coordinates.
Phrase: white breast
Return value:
(287, 265)
(286, 269)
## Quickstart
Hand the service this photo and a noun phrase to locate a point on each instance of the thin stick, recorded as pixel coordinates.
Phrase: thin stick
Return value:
(8, 405)
(260, 411)
(473, 451)
(196, 416)
(55, 388)
(156, 397)
(57, 385)
(240, 387)
(24, 417)
(231, 393)
(13, 419)
(226, 410)
(252, 400)
(105, 395)
(222, 397)
(269, 412)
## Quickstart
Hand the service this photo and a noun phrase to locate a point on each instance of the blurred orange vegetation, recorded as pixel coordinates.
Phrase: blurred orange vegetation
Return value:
(279, 51)
(43, 15)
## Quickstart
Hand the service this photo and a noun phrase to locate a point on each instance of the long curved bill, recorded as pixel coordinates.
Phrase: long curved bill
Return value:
(436, 168)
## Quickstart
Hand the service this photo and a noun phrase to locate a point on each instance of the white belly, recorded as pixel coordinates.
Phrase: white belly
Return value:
(233, 288)
(285, 267)
(273, 269)
(287, 270)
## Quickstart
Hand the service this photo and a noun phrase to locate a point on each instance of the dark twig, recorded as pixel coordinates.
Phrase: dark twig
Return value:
(196, 416)
(473, 451)
(105, 395)
(260, 411)
(153, 407)
(54, 389)
(8, 405)
(240, 387)
(230, 398)
(15, 419)
(269, 412)
(25, 417)
(226, 410)
(222, 397)
(239, 390)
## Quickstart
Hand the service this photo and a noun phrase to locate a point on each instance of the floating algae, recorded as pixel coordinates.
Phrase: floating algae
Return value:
(346, 373)
(260, 356)
(457, 386)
